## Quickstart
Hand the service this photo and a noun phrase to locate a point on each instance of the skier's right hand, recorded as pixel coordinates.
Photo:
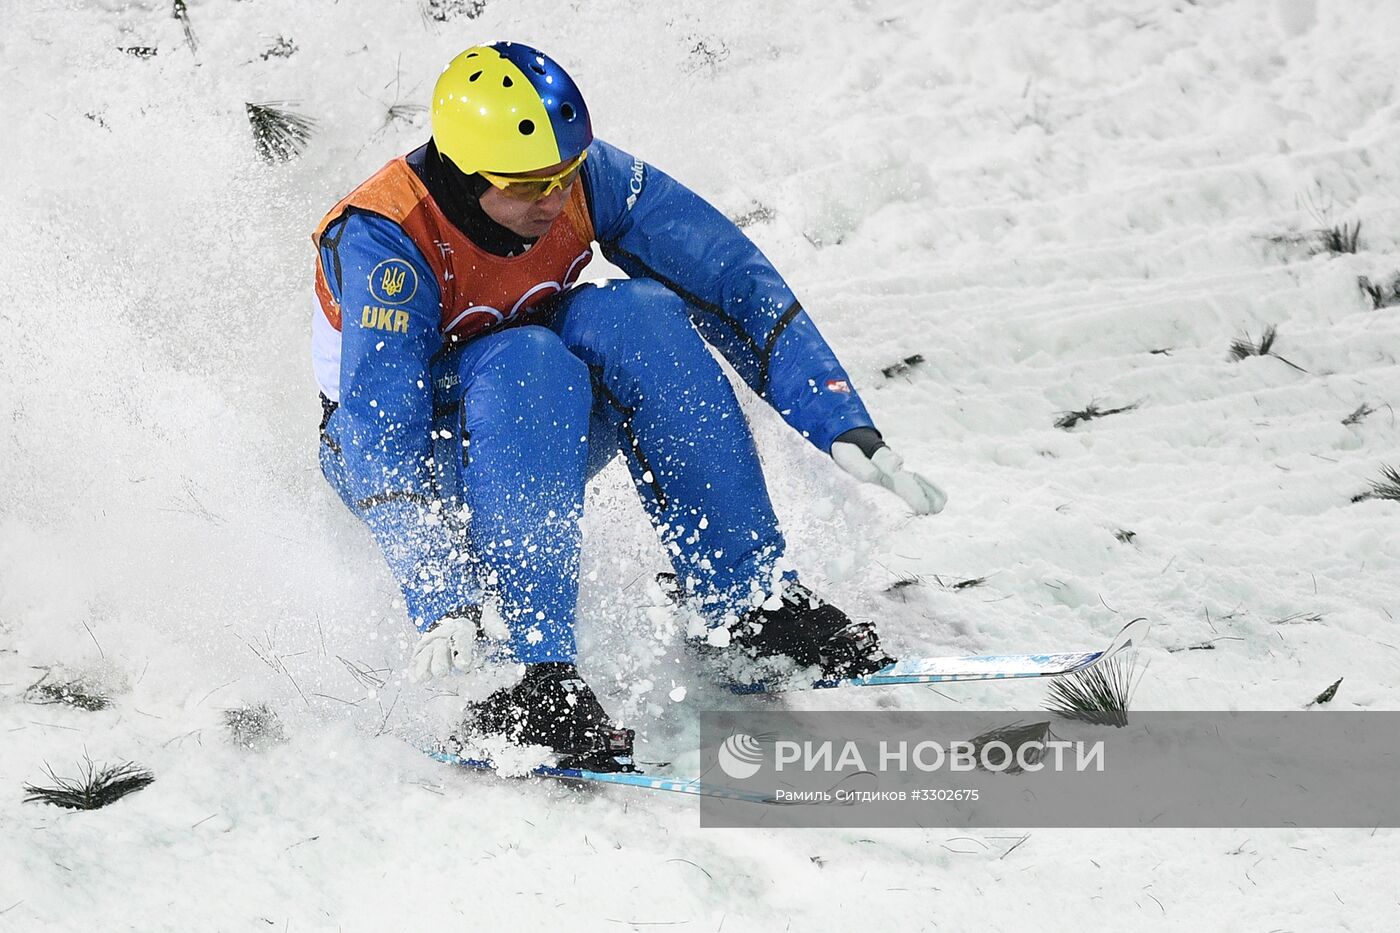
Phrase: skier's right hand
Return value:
(450, 644)
(862, 453)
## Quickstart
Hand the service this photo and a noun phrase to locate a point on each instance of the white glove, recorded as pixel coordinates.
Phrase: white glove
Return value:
(868, 459)
(449, 644)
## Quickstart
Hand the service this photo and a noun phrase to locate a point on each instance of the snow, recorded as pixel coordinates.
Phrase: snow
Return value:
(1033, 196)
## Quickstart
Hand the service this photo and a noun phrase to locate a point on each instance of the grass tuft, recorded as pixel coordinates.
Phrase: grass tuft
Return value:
(282, 48)
(256, 727)
(404, 113)
(1327, 236)
(1098, 695)
(1293, 618)
(898, 587)
(279, 134)
(904, 367)
(1326, 695)
(1339, 238)
(442, 11)
(94, 789)
(181, 12)
(760, 214)
(1014, 737)
(1242, 348)
(72, 693)
(1381, 294)
(1356, 417)
(1387, 487)
(1068, 419)
(706, 53)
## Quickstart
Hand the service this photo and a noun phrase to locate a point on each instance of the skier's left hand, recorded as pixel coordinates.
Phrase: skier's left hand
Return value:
(862, 453)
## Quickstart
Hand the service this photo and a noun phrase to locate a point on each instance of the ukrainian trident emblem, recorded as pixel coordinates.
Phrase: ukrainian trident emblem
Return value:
(393, 282)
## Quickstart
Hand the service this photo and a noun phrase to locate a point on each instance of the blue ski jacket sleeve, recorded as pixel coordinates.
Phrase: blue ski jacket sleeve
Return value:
(384, 420)
(650, 225)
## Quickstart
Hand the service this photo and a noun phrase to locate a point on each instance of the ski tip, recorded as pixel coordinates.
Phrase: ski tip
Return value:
(1133, 635)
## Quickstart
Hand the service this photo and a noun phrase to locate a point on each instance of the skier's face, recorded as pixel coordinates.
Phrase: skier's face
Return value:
(525, 217)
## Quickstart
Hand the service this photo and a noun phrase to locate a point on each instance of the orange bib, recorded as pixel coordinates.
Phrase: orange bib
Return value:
(479, 290)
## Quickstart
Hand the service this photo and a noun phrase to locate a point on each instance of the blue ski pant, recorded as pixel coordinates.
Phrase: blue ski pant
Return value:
(526, 415)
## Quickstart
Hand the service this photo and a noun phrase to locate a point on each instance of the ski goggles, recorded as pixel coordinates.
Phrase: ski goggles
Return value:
(536, 187)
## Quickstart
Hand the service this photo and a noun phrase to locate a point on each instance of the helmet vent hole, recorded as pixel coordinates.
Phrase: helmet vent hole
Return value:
(527, 127)
(506, 81)
(475, 76)
(537, 68)
(567, 112)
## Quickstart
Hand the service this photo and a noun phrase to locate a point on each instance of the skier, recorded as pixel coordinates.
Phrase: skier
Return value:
(470, 387)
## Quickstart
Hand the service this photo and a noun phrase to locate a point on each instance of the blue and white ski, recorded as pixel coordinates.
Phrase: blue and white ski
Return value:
(913, 671)
(974, 667)
(693, 787)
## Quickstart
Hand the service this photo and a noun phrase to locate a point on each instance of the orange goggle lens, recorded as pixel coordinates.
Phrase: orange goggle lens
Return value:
(536, 187)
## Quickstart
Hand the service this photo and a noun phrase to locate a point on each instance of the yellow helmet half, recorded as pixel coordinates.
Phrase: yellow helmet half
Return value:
(508, 108)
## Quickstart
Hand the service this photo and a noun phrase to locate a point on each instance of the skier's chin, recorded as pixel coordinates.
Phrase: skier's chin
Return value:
(533, 227)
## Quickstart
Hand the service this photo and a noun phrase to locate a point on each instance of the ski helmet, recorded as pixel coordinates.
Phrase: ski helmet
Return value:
(508, 108)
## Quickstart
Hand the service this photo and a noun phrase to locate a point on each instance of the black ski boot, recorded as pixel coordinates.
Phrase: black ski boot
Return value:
(812, 633)
(552, 706)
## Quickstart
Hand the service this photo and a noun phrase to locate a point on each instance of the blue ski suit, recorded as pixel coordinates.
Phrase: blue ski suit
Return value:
(463, 433)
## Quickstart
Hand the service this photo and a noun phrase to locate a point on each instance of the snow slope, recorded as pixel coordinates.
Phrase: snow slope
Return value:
(1033, 196)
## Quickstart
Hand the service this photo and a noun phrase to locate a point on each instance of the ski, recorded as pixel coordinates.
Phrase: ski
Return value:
(911, 671)
(693, 787)
(973, 667)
